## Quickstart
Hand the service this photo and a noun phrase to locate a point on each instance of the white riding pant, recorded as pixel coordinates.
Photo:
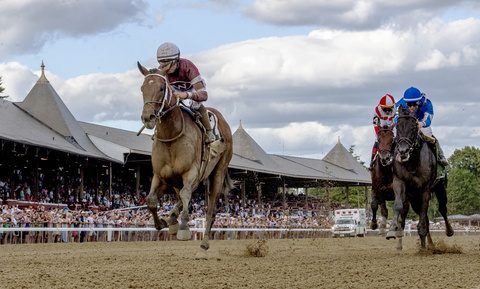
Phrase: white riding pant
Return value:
(427, 131)
(194, 104)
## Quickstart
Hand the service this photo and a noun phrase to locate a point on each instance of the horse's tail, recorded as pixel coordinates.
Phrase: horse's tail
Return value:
(227, 185)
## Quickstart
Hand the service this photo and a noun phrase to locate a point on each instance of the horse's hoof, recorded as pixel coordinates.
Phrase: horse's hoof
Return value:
(391, 235)
(205, 246)
(183, 235)
(449, 232)
(373, 226)
(160, 224)
(173, 229)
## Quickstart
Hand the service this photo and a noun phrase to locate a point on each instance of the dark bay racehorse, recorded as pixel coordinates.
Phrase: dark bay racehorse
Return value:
(382, 177)
(180, 160)
(414, 180)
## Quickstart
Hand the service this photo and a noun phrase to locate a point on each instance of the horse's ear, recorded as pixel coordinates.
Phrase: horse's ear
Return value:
(142, 69)
(402, 110)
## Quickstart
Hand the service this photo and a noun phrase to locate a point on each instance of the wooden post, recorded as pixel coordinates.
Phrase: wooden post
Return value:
(366, 197)
(284, 194)
(306, 198)
(258, 186)
(137, 184)
(35, 193)
(110, 173)
(242, 192)
(81, 188)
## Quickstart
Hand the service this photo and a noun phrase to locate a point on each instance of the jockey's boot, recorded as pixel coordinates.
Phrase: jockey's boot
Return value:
(206, 123)
(440, 156)
(442, 162)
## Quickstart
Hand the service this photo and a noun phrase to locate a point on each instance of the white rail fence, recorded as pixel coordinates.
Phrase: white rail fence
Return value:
(18, 235)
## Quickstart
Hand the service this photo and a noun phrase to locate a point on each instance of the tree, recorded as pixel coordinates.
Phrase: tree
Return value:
(464, 181)
(351, 150)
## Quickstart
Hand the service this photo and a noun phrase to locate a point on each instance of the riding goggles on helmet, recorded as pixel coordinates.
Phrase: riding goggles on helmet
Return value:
(413, 103)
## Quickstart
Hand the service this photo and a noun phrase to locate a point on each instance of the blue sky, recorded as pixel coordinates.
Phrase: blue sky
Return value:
(119, 49)
(298, 74)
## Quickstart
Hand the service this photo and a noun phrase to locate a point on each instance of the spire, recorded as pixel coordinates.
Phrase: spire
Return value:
(240, 126)
(42, 76)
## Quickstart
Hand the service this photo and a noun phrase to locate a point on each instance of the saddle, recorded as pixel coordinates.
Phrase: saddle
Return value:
(196, 117)
(426, 138)
(432, 143)
(214, 147)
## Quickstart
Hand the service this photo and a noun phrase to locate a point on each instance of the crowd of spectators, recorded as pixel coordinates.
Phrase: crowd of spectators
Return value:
(121, 196)
(98, 209)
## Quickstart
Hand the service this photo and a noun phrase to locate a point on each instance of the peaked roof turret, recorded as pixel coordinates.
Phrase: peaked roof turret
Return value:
(44, 104)
(341, 157)
(245, 146)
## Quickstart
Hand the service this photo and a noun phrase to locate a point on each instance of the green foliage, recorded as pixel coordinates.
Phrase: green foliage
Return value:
(351, 150)
(355, 197)
(464, 181)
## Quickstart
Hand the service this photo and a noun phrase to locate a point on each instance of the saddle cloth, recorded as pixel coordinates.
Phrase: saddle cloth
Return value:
(211, 116)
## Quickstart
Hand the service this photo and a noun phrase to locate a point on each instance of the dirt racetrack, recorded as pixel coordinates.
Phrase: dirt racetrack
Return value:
(370, 262)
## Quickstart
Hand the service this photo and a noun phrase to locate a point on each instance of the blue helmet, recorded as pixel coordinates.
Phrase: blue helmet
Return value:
(412, 94)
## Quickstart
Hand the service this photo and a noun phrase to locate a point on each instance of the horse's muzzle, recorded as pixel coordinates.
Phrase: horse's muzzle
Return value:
(386, 161)
(403, 157)
(149, 121)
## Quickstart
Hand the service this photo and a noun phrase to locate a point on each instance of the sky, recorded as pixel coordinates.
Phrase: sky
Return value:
(297, 75)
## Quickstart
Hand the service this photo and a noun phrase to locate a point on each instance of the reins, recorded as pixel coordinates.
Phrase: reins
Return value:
(160, 113)
(411, 143)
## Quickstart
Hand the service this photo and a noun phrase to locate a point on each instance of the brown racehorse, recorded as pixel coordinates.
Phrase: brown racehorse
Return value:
(382, 177)
(179, 159)
(414, 179)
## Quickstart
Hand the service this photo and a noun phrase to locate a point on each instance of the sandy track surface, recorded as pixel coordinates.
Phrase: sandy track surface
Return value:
(371, 262)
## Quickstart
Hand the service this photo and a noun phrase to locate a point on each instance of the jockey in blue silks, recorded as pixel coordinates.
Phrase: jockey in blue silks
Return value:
(417, 102)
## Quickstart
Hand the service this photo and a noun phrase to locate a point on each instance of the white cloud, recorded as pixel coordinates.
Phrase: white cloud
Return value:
(27, 25)
(351, 14)
(297, 94)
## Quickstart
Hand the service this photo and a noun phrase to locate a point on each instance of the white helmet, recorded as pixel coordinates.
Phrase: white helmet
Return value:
(167, 52)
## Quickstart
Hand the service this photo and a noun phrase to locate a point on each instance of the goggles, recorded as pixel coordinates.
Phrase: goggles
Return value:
(164, 63)
(411, 104)
(387, 109)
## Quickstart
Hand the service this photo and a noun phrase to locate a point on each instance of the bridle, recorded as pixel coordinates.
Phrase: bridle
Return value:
(382, 152)
(167, 96)
(411, 142)
(389, 131)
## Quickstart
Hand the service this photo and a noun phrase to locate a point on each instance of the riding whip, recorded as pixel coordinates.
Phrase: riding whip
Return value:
(140, 131)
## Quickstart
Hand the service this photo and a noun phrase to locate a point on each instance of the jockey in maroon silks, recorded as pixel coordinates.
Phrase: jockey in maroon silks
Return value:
(185, 78)
(383, 116)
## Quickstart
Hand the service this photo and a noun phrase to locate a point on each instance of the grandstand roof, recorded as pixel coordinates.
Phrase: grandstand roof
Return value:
(44, 105)
(338, 165)
(43, 119)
